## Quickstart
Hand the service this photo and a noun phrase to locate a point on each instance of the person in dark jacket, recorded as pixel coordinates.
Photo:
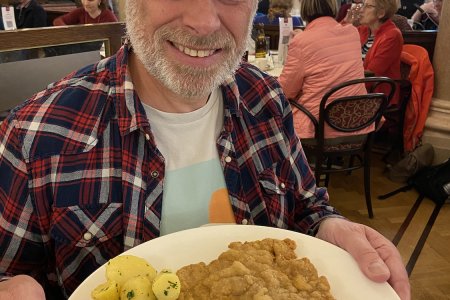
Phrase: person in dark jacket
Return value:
(29, 14)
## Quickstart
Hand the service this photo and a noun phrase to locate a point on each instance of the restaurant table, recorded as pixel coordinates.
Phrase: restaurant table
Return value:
(272, 68)
(275, 69)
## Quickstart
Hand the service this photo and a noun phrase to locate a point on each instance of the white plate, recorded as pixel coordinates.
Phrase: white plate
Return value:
(176, 250)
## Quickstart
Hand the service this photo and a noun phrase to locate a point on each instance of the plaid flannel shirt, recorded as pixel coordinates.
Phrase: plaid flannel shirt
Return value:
(81, 179)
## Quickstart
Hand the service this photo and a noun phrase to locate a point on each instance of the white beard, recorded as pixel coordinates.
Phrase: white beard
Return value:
(186, 81)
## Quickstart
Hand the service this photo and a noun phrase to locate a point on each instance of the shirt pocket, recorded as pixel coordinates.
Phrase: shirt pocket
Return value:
(85, 238)
(274, 192)
(86, 226)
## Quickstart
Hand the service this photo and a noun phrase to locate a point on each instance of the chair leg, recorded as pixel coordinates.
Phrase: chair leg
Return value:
(318, 168)
(367, 183)
(350, 163)
(327, 175)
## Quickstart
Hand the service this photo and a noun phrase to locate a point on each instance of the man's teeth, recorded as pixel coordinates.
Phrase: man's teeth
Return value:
(193, 52)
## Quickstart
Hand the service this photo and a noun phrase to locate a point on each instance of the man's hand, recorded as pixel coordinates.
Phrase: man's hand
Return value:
(21, 287)
(376, 256)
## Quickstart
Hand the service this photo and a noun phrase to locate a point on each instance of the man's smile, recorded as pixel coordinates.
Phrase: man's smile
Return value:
(194, 52)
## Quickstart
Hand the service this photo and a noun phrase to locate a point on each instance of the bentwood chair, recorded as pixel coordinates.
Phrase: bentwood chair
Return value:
(395, 118)
(347, 114)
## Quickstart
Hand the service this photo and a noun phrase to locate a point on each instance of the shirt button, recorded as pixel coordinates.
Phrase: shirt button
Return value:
(282, 185)
(147, 136)
(87, 236)
(227, 159)
(155, 174)
(244, 222)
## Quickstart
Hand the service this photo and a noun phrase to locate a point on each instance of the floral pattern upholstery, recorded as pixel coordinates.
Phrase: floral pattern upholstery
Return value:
(349, 114)
(352, 114)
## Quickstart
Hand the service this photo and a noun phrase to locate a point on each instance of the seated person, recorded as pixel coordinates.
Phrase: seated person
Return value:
(263, 8)
(278, 9)
(325, 54)
(29, 14)
(90, 167)
(401, 22)
(381, 40)
(91, 12)
(429, 14)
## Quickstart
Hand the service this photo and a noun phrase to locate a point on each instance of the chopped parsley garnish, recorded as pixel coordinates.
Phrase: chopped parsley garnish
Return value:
(130, 295)
(173, 285)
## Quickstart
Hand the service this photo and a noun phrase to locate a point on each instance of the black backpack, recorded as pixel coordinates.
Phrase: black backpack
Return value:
(433, 182)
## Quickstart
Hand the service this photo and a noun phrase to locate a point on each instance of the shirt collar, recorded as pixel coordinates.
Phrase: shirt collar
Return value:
(387, 24)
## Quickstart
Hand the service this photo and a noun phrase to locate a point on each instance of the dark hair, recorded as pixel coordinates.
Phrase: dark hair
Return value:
(279, 9)
(313, 9)
(390, 8)
(263, 6)
(103, 5)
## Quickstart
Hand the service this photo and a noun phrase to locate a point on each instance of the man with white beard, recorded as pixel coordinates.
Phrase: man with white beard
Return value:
(171, 133)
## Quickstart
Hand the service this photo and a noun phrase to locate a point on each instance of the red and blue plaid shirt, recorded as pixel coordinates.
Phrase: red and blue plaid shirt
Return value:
(81, 179)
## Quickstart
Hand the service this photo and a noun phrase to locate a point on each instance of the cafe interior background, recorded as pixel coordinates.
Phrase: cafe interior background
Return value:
(430, 277)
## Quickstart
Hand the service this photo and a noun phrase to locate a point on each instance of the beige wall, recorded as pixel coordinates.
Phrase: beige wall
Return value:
(437, 127)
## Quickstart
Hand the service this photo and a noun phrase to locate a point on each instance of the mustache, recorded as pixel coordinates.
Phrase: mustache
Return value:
(215, 40)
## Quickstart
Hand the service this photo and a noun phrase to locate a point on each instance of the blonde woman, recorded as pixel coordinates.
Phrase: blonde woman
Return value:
(381, 40)
(278, 9)
(92, 12)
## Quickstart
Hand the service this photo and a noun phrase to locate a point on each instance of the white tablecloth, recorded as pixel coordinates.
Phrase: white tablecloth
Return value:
(273, 69)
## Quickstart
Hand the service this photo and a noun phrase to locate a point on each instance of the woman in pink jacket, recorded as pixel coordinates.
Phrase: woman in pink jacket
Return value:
(325, 54)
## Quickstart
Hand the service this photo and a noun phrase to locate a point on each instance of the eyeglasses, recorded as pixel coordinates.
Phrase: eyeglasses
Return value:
(367, 5)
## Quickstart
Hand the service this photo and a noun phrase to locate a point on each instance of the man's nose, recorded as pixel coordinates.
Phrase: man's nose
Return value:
(202, 16)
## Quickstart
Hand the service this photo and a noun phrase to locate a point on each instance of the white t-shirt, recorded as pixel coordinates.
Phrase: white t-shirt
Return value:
(194, 188)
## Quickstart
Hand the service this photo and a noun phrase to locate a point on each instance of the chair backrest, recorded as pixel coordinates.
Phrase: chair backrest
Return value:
(356, 112)
(423, 38)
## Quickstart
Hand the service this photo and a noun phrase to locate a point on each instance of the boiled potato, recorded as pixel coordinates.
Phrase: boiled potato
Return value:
(166, 285)
(124, 267)
(137, 288)
(106, 291)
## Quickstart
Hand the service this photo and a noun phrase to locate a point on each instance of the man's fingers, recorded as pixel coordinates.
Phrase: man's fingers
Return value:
(376, 256)
(368, 259)
(401, 286)
(387, 251)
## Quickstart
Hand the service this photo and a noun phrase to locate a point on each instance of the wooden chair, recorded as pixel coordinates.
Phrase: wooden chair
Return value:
(346, 114)
(395, 117)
